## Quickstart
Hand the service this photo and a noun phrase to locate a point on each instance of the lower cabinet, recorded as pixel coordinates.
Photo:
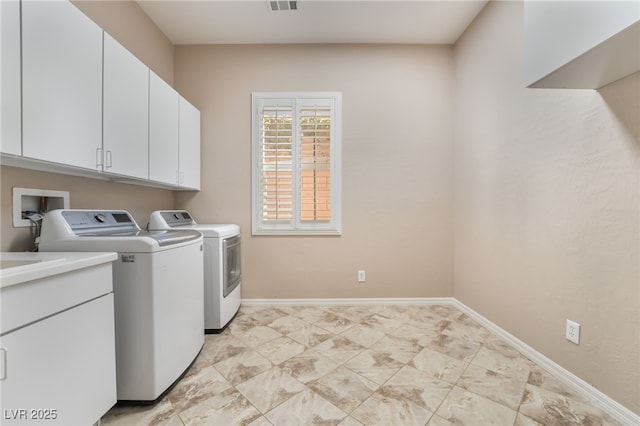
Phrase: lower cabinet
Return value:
(61, 370)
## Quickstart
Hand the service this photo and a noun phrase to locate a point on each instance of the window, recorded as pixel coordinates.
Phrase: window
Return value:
(296, 163)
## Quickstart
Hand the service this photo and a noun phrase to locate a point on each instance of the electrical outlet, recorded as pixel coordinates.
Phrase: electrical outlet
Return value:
(573, 332)
(361, 277)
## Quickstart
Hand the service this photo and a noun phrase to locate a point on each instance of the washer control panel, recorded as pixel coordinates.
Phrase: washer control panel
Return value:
(79, 220)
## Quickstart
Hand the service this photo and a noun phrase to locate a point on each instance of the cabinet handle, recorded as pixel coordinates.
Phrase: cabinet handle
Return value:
(108, 159)
(99, 162)
(3, 364)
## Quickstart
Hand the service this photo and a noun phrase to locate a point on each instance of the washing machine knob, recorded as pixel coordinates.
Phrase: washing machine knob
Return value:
(100, 217)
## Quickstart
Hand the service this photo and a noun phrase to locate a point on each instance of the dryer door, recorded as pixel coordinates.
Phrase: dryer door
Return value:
(231, 264)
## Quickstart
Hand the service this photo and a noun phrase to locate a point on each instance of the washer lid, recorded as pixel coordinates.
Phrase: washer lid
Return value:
(167, 238)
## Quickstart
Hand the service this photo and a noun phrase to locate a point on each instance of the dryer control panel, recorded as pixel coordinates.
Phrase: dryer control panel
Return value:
(170, 219)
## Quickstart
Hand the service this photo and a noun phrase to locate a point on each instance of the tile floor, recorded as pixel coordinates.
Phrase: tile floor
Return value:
(361, 365)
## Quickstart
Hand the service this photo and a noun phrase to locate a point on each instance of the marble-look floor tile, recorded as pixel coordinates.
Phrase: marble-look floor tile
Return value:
(308, 366)
(383, 323)
(465, 408)
(260, 421)
(266, 316)
(339, 349)
(288, 324)
(257, 335)
(226, 408)
(310, 314)
(540, 378)
(402, 350)
(548, 407)
(419, 334)
(363, 335)
(462, 331)
(444, 311)
(505, 390)
(422, 317)
(436, 420)
(218, 347)
(280, 349)
(496, 344)
(350, 421)
(270, 389)
(241, 323)
(380, 410)
(201, 382)
(416, 386)
(251, 309)
(306, 408)
(515, 366)
(455, 348)
(464, 319)
(242, 367)
(333, 323)
(310, 335)
(343, 388)
(430, 365)
(376, 366)
(400, 312)
(162, 413)
(522, 420)
(438, 365)
(355, 313)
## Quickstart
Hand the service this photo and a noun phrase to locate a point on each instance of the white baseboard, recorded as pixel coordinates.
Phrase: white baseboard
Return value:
(601, 400)
(339, 302)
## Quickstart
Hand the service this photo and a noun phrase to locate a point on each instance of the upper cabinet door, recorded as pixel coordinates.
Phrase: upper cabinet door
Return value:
(61, 84)
(126, 112)
(10, 132)
(163, 131)
(189, 145)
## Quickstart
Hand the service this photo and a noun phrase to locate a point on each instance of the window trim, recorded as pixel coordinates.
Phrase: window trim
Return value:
(296, 226)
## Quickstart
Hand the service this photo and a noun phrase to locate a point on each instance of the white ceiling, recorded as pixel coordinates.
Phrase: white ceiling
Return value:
(315, 21)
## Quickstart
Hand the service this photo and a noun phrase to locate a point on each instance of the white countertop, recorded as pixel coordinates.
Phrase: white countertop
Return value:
(20, 267)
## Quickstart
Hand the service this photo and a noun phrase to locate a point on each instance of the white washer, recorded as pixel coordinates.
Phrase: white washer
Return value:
(222, 272)
(158, 290)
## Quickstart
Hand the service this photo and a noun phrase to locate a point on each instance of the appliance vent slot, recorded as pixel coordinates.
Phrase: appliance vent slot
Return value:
(282, 5)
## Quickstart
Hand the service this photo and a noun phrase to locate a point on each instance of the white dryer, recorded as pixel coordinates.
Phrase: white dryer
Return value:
(158, 290)
(222, 272)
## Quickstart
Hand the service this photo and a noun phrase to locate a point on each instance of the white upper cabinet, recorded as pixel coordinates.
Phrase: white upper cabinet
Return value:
(10, 129)
(163, 131)
(126, 112)
(61, 84)
(88, 106)
(580, 44)
(189, 145)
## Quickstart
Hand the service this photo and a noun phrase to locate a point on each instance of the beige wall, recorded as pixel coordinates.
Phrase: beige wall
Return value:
(396, 155)
(547, 207)
(126, 22)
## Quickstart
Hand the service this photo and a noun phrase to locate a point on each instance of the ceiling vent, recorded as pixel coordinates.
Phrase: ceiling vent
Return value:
(278, 5)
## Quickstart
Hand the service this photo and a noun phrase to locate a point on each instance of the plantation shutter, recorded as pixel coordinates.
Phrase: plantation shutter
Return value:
(314, 119)
(296, 177)
(277, 163)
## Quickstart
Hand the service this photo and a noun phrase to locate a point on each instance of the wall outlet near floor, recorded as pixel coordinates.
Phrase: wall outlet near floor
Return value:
(573, 332)
(361, 276)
